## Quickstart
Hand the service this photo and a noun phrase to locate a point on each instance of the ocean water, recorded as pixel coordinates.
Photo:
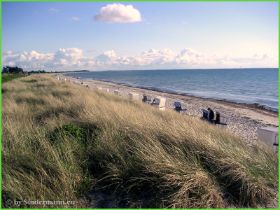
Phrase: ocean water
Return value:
(251, 86)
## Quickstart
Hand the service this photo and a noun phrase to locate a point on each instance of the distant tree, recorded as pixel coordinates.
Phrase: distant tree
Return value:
(5, 69)
(37, 72)
(14, 70)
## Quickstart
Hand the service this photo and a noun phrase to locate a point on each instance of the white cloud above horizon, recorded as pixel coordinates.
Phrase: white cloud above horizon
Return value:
(118, 13)
(53, 10)
(75, 18)
(74, 59)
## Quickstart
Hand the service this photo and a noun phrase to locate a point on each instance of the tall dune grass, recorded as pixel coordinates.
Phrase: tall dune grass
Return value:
(65, 142)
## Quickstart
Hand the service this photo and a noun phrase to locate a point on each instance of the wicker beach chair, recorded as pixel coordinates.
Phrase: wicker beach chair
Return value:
(147, 99)
(178, 107)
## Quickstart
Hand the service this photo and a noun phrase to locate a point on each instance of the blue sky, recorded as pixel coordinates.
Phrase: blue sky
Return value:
(146, 35)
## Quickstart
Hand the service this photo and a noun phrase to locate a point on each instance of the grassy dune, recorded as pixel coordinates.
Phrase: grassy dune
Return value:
(65, 142)
(8, 77)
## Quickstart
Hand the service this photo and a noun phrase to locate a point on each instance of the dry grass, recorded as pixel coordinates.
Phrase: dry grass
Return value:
(64, 142)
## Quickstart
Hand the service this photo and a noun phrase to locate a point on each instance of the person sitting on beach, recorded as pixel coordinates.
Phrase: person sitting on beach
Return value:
(218, 118)
(144, 99)
(156, 101)
(210, 115)
(178, 106)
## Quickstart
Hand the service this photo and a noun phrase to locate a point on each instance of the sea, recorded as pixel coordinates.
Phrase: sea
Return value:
(248, 86)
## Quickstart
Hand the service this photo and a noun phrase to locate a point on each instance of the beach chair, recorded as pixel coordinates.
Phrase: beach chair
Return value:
(162, 103)
(159, 102)
(155, 102)
(269, 135)
(133, 96)
(207, 116)
(147, 99)
(178, 107)
(218, 118)
(204, 114)
(116, 92)
(211, 115)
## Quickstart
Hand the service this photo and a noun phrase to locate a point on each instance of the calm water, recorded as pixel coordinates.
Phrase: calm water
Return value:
(252, 86)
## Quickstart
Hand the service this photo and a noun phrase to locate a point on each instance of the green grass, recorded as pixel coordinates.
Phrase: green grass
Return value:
(9, 77)
(64, 142)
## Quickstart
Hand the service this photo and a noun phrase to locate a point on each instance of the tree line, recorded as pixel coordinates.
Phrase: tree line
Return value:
(18, 70)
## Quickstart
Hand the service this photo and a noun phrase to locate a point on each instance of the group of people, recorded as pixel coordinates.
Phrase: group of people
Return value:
(146, 99)
(149, 100)
(210, 116)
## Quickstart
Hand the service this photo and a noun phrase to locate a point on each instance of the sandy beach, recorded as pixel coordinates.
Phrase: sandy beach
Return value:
(241, 119)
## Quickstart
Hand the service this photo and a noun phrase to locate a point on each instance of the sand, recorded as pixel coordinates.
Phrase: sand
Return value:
(241, 119)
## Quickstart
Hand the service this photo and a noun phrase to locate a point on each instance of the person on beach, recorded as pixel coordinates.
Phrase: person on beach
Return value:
(218, 118)
(210, 115)
(144, 99)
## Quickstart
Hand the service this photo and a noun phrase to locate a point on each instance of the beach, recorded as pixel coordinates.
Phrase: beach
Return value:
(242, 120)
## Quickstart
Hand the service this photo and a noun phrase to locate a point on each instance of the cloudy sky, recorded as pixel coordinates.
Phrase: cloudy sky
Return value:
(108, 36)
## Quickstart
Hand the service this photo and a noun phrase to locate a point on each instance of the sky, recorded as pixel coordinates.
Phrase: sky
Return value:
(139, 35)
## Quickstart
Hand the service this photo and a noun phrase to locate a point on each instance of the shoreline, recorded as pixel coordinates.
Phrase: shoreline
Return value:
(242, 120)
(229, 102)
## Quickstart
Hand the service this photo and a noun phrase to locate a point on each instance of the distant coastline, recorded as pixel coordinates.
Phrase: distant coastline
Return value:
(167, 69)
(75, 71)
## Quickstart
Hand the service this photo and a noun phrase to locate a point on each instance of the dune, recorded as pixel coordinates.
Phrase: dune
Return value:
(65, 142)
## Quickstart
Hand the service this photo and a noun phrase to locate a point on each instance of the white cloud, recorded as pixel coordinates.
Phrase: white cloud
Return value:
(74, 59)
(118, 13)
(68, 56)
(190, 57)
(107, 57)
(75, 18)
(53, 10)
(27, 60)
(154, 56)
